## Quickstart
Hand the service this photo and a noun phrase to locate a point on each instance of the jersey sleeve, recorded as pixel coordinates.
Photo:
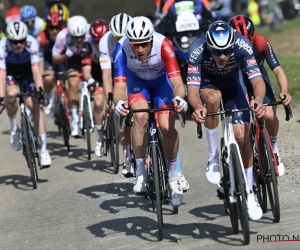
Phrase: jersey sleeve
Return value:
(2, 59)
(120, 71)
(60, 44)
(195, 55)
(104, 56)
(86, 54)
(266, 50)
(248, 59)
(169, 58)
(34, 52)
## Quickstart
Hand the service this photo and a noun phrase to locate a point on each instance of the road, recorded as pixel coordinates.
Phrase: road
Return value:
(80, 204)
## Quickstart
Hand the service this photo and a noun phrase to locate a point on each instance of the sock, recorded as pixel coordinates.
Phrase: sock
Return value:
(173, 175)
(51, 96)
(126, 152)
(74, 114)
(99, 133)
(178, 167)
(273, 140)
(212, 139)
(249, 176)
(43, 143)
(13, 123)
(140, 166)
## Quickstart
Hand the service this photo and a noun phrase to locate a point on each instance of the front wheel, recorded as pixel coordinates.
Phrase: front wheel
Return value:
(86, 125)
(114, 142)
(64, 121)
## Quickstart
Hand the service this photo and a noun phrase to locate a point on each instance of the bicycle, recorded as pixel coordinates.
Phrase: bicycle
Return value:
(111, 136)
(62, 113)
(265, 169)
(234, 180)
(157, 169)
(30, 142)
(86, 116)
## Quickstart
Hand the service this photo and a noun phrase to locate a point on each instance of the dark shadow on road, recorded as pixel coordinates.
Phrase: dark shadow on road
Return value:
(6, 132)
(21, 182)
(146, 229)
(210, 212)
(98, 165)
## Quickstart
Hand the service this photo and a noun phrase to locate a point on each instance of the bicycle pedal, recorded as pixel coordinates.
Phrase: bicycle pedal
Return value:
(220, 195)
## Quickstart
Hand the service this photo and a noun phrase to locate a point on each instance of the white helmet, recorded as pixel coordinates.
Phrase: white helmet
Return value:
(77, 26)
(118, 24)
(139, 28)
(16, 31)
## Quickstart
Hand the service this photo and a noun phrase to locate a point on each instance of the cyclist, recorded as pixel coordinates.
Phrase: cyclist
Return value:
(263, 50)
(106, 47)
(19, 57)
(91, 73)
(214, 62)
(67, 48)
(12, 14)
(145, 61)
(30, 18)
(67, 3)
(56, 20)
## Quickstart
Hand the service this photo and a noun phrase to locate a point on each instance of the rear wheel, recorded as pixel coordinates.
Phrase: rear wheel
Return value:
(270, 176)
(86, 125)
(240, 194)
(29, 153)
(64, 121)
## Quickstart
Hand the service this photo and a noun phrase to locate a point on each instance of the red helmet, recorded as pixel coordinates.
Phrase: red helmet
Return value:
(12, 14)
(98, 28)
(243, 25)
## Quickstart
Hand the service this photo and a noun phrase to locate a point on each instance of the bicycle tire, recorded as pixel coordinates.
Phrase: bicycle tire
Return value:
(29, 154)
(270, 175)
(241, 194)
(155, 165)
(114, 143)
(232, 207)
(86, 125)
(64, 121)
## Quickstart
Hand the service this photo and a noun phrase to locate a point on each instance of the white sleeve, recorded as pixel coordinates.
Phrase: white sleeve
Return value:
(104, 58)
(2, 59)
(34, 51)
(60, 44)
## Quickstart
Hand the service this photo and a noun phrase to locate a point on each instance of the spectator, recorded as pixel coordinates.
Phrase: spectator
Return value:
(226, 11)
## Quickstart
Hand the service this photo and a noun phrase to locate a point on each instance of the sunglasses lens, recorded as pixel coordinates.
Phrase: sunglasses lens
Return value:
(137, 45)
(18, 41)
(218, 52)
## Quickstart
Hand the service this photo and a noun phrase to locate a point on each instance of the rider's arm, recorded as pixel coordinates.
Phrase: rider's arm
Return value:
(86, 62)
(172, 68)
(265, 48)
(2, 72)
(105, 64)
(35, 63)
(120, 74)
(58, 48)
(167, 5)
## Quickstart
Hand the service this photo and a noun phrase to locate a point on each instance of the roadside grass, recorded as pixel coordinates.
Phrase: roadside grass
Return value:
(286, 45)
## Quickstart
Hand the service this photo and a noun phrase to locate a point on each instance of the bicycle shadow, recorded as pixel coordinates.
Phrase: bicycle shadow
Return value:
(146, 229)
(20, 182)
(204, 212)
(6, 132)
(96, 165)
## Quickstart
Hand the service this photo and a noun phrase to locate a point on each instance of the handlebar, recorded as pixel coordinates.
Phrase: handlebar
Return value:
(63, 76)
(227, 112)
(39, 95)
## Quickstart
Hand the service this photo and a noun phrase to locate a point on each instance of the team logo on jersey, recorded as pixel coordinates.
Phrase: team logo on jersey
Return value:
(5, 48)
(251, 61)
(242, 44)
(28, 44)
(192, 69)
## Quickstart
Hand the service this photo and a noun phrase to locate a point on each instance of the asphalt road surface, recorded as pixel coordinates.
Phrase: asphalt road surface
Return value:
(81, 204)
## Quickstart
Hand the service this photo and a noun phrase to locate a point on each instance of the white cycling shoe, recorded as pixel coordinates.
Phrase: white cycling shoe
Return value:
(176, 193)
(213, 172)
(183, 183)
(99, 149)
(45, 159)
(140, 185)
(15, 141)
(254, 209)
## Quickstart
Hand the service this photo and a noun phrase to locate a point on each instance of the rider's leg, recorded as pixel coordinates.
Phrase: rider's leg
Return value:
(11, 109)
(211, 96)
(74, 66)
(98, 116)
(127, 170)
(49, 83)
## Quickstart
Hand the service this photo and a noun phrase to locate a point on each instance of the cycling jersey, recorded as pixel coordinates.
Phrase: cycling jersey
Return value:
(18, 65)
(64, 40)
(38, 26)
(152, 74)
(106, 47)
(204, 72)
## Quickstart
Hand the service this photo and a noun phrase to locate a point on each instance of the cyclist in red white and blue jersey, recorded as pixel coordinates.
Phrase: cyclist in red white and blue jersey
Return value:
(214, 71)
(145, 61)
(263, 51)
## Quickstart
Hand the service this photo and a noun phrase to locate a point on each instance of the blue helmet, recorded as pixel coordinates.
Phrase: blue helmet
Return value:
(27, 12)
(220, 36)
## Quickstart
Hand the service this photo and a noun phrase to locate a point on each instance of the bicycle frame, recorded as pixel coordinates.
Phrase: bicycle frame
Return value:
(229, 139)
(85, 92)
(60, 89)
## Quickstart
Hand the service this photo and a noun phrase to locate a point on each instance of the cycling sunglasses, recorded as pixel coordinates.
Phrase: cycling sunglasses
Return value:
(143, 45)
(29, 21)
(54, 27)
(78, 37)
(218, 52)
(16, 42)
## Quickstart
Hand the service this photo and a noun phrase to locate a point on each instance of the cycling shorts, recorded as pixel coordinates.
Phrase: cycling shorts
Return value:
(97, 75)
(20, 74)
(162, 89)
(270, 96)
(234, 94)
(48, 65)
